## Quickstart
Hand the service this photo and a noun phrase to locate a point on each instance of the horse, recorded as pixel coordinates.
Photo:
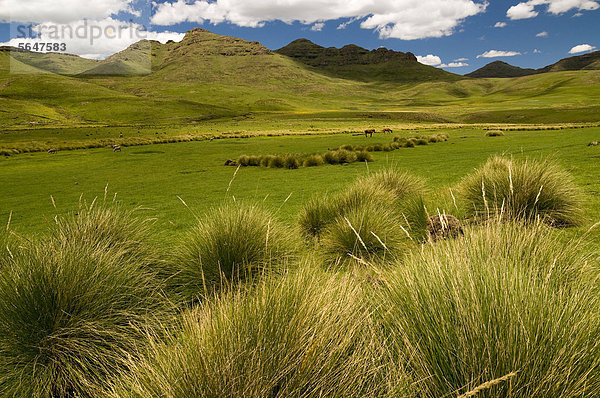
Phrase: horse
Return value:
(116, 148)
(369, 132)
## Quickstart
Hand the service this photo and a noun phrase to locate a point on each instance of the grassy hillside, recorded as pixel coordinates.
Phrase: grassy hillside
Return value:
(209, 84)
(63, 64)
(501, 69)
(589, 61)
(356, 63)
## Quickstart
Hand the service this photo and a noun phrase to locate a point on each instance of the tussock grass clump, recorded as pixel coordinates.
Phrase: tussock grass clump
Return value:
(364, 235)
(306, 334)
(315, 215)
(407, 190)
(276, 162)
(74, 312)
(494, 133)
(503, 298)
(343, 156)
(401, 192)
(364, 156)
(313, 160)
(523, 190)
(291, 162)
(108, 228)
(403, 185)
(243, 160)
(320, 211)
(230, 243)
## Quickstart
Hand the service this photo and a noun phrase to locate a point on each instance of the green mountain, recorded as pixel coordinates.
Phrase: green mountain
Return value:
(500, 69)
(208, 76)
(356, 63)
(589, 61)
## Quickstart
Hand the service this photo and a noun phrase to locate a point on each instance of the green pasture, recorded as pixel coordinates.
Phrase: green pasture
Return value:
(156, 176)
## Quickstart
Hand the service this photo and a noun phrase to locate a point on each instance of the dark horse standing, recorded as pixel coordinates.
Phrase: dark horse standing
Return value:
(369, 133)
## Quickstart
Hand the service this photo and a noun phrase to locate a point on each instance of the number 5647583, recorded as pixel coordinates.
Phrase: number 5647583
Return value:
(41, 47)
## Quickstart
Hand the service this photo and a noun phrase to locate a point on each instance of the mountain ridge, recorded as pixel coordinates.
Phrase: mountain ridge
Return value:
(500, 69)
(357, 63)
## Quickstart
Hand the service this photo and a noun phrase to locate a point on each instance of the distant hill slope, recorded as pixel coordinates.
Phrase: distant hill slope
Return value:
(501, 69)
(356, 63)
(63, 64)
(589, 61)
(207, 76)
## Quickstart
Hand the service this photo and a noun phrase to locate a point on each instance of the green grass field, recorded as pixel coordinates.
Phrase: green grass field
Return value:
(154, 176)
(158, 271)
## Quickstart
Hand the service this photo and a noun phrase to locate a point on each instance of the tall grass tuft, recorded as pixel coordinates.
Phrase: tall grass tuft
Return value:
(400, 192)
(109, 228)
(74, 310)
(313, 160)
(504, 299)
(230, 243)
(306, 334)
(314, 217)
(523, 190)
(368, 234)
(403, 185)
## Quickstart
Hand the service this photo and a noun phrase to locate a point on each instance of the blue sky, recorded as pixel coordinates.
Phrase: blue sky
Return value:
(443, 32)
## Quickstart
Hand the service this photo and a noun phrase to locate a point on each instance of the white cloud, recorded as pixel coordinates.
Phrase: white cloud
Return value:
(431, 60)
(344, 25)
(434, 60)
(536, 51)
(317, 27)
(527, 9)
(581, 48)
(522, 11)
(496, 54)
(61, 11)
(453, 65)
(542, 34)
(461, 59)
(500, 25)
(94, 39)
(401, 19)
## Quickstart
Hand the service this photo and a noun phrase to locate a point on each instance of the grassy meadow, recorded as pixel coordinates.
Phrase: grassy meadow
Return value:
(246, 239)
(154, 176)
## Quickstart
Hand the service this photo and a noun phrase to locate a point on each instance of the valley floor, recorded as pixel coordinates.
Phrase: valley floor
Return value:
(156, 176)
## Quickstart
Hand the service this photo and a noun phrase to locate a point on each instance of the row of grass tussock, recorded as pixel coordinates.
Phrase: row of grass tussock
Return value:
(508, 309)
(295, 161)
(342, 155)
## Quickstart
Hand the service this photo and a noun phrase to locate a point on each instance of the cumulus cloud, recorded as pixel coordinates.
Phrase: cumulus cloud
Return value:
(401, 19)
(431, 60)
(581, 48)
(497, 53)
(61, 11)
(317, 27)
(93, 38)
(527, 9)
(522, 11)
(500, 25)
(542, 34)
(434, 60)
(453, 65)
